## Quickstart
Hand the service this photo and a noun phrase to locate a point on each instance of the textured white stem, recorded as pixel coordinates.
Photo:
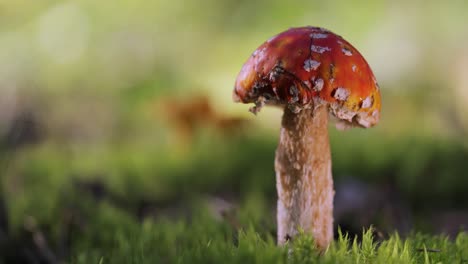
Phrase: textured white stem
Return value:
(303, 176)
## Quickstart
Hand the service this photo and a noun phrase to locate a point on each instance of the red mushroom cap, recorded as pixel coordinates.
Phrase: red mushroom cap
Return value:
(308, 66)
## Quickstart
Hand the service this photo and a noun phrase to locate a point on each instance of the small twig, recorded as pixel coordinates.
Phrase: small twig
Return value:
(431, 250)
(39, 241)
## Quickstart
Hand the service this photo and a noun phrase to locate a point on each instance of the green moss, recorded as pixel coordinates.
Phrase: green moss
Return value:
(182, 227)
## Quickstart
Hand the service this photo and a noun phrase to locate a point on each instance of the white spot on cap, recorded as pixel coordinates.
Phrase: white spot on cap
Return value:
(294, 92)
(318, 85)
(324, 29)
(346, 52)
(307, 83)
(311, 65)
(318, 35)
(363, 120)
(319, 49)
(341, 112)
(367, 102)
(354, 68)
(341, 94)
(259, 54)
(366, 120)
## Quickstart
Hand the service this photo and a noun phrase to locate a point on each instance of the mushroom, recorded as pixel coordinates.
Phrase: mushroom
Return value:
(313, 74)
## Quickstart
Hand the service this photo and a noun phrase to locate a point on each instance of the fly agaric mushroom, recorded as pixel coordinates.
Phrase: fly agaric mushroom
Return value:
(311, 72)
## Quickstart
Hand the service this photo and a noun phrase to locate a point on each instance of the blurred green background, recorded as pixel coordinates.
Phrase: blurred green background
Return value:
(129, 102)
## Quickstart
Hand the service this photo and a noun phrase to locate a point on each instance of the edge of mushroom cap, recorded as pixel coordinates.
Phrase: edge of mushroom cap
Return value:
(348, 118)
(345, 117)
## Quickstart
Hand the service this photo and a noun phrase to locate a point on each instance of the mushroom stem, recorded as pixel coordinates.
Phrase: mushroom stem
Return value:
(303, 176)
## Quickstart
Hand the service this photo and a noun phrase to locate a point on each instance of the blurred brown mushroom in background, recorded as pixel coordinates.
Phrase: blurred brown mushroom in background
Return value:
(187, 117)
